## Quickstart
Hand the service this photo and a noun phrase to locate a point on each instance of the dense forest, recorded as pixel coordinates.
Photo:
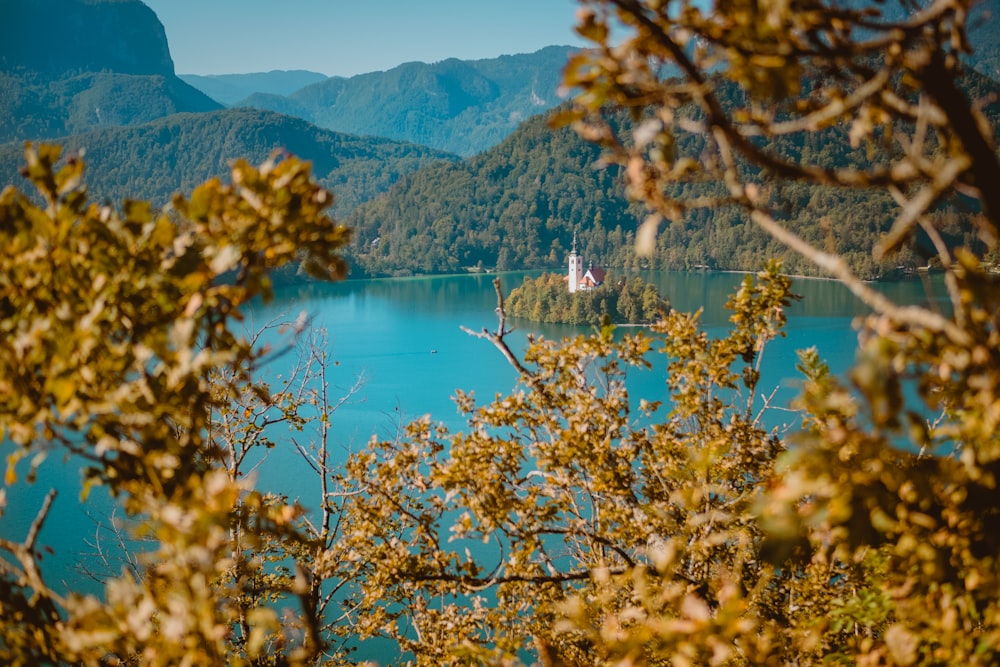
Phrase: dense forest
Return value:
(518, 205)
(175, 153)
(513, 207)
(34, 107)
(622, 301)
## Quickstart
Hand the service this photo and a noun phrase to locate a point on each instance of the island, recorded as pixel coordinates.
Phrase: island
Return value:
(546, 299)
(585, 297)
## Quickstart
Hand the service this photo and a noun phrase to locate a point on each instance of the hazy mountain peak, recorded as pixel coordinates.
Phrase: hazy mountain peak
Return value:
(70, 65)
(231, 88)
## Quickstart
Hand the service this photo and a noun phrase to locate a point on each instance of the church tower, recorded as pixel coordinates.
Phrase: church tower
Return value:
(575, 268)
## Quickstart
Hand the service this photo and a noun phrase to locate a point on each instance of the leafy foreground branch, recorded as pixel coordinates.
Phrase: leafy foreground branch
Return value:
(569, 522)
(118, 346)
(568, 494)
(574, 523)
(896, 561)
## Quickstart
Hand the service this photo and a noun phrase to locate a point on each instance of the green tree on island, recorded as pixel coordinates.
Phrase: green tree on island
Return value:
(546, 299)
(570, 523)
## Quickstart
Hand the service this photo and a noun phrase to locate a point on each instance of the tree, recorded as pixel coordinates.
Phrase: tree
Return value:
(900, 482)
(114, 326)
(474, 540)
(861, 537)
(296, 412)
(546, 299)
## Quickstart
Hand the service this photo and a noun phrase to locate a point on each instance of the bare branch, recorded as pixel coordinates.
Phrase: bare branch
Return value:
(30, 575)
(498, 338)
(36, 525)
(918, 205)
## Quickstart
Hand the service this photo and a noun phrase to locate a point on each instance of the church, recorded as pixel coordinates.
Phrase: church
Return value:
(578, 280)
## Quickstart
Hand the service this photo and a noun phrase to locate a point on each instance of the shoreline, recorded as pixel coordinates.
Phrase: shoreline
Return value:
(793, 276)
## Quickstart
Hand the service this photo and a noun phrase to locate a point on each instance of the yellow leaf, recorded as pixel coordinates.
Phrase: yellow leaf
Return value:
(11, 476)
(62, 390)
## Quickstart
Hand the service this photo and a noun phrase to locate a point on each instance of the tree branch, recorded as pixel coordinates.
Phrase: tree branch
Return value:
(836, 266)
(498, 338)
(985, 168)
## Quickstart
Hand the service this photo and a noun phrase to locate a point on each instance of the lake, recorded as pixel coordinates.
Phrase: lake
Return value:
(404, 338)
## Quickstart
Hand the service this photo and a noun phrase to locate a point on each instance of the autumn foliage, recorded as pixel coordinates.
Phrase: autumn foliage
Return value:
(569, 522)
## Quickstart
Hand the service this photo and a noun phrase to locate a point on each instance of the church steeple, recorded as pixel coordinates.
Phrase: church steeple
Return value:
(575, 268)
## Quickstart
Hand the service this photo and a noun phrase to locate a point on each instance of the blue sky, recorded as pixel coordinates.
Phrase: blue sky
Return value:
(347, 37)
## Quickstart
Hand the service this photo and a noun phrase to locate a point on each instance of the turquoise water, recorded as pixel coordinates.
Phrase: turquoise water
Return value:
(404, 338)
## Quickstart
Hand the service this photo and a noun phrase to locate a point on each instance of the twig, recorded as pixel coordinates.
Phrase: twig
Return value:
(30, 575)
(498, 338)
(36, 525)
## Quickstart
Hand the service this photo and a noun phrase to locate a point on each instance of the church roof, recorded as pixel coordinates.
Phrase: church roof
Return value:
(596, 274)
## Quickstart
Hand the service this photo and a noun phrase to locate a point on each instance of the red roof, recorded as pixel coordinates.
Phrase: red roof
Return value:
(595, 275)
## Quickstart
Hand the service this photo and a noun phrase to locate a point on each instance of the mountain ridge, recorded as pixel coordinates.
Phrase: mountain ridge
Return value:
(178, 152)
(229, 89)
(519, 204)
(61, 37)
(459, 106)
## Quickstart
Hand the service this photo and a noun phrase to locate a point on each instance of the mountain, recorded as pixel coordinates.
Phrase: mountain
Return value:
(231, 88)
(176, 153)
(518, 205)
(514, 206)
(70, 65)
(64, 37)
(460, 106)
(96, 76)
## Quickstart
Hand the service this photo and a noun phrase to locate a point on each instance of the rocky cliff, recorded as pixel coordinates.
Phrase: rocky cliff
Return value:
(67, 66)
(63, 37)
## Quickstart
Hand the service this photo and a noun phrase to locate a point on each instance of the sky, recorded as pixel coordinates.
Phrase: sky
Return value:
(348, 37)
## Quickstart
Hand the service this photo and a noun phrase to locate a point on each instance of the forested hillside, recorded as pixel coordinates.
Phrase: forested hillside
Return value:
(176, 153)
(514, 206)
(460, 106)
(70, 65)
(517, 206)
